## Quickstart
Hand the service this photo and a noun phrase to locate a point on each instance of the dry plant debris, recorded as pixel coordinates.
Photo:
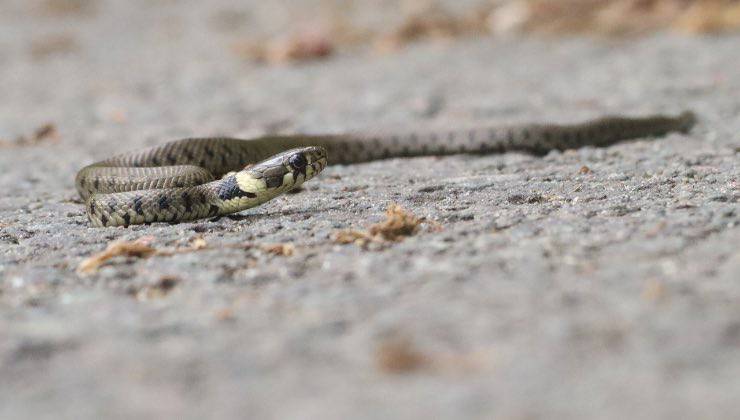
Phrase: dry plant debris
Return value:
(302, 46)
(427, 20)
(224, 314)
(653, 291)
(52, 45)
(198, 243)
(161, 288)
(284, 250)
(58, 8)
(710, 17)
(614, 17)
(432, 22)
(399, 355)
(46, 132)
(140, 248)
(399, 223)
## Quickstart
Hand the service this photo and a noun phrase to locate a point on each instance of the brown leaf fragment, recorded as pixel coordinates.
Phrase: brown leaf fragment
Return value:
(301, 46)
(46, 132)
(653, 290)
(614, 17)
(59, 8)
(710, 17)
(398, 224)
(284, 250)
(432, 22)
(198, 243)
(225, 314)
(159, 289)
(139, 248)
(52, 45)
(349, 236)
(399, 355)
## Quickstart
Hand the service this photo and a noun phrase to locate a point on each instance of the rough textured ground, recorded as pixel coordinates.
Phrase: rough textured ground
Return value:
(548, 292)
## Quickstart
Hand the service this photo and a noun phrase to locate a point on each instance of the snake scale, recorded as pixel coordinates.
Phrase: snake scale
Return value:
(206, 177)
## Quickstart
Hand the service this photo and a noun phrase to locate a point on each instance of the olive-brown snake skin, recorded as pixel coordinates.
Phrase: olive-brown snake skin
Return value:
(204, 177)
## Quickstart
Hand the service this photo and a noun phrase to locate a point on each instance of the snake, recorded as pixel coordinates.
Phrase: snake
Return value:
(197, 178)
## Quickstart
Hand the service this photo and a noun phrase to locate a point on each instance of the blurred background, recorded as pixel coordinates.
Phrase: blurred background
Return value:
(284, 31)
(116, 62)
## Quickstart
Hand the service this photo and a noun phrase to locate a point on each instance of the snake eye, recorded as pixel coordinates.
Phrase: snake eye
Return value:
(298, 161)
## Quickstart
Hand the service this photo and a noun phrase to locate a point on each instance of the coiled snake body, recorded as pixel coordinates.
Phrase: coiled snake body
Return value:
(205, 177)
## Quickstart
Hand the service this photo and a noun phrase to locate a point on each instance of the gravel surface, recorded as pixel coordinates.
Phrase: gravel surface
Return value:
(590, 283)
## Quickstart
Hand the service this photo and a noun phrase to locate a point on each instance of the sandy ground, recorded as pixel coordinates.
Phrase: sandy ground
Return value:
(537, 290)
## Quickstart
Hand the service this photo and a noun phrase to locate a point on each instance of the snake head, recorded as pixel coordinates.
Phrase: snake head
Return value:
(304, 163)
(289, 169)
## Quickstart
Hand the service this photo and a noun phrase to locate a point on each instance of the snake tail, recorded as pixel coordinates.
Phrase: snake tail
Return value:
(535, 139)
